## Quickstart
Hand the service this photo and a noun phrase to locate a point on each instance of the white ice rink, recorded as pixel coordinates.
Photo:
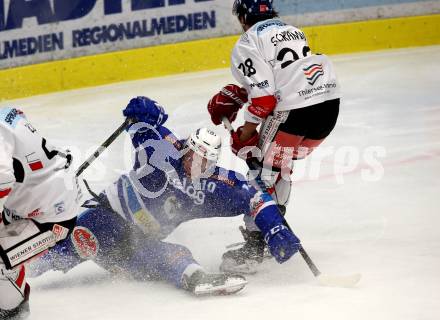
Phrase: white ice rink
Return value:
(368, 201)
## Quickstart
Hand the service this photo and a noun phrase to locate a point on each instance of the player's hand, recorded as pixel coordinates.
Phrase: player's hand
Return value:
(222, 105)
(143, 109)
(280, 239)
(244, 149)
(282, 243)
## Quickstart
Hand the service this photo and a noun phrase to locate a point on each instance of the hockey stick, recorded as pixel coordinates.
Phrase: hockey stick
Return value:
(323, 279)
(102, 148)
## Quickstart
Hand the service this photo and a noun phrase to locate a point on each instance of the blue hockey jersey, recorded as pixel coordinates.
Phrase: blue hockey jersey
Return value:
(157, 195)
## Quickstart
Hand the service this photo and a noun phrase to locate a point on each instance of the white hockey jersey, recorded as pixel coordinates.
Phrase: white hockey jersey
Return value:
(274, 59)
(34, 180)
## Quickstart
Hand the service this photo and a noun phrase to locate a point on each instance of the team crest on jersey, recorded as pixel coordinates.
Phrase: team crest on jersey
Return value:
(313, 73)
(85, 243)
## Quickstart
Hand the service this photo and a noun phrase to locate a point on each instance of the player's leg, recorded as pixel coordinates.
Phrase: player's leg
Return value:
(275, 169)
(284, 138)
(299, 135)
(14, 293)
(248, 255)
(154, 259)
(100, 234)
(92, 230)
(120, 246)
(14, 290)
(22, 240)
(321, 120)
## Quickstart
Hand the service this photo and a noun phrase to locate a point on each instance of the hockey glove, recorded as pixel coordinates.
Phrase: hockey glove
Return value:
(143, 109)
(222, 105)
(281, 241)
(243, 149)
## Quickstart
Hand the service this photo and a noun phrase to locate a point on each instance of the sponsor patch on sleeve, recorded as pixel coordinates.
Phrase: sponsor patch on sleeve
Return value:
(85, 243)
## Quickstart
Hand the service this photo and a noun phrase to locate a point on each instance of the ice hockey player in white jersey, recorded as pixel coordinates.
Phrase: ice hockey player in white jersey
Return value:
(39, 201)
(289, 92)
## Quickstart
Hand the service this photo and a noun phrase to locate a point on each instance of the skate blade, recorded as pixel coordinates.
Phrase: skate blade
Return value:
(231, 286)
(349, 281)
(229, 266)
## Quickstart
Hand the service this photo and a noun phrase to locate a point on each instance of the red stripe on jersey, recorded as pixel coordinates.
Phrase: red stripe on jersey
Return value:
(5, 193)
(36, 165)
(20, 279)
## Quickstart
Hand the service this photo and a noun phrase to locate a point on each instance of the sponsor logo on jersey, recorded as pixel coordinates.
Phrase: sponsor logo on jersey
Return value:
(60, 232)
(60, 207)
(30, 248)
(261, 85)
(10, 215)
(198, 195)
(30, 127)
(256, 203)
(85, 243)
(12, 117)
(259, 201)
(146, 221)
(286, 36)
(172, 139)
(313, 73)
(270, 24)
(35, 213)
(317, 91)
(224, 180)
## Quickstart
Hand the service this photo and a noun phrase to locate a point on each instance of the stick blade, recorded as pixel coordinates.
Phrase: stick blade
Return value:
(348, 281)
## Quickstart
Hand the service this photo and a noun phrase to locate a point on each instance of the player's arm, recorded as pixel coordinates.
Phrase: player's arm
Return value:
(7, 178)
(231, 196)
(256, 75)
(154, 145)
(148, 116)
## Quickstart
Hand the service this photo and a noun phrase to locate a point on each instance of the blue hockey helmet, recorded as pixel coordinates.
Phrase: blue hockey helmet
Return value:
(248, 8)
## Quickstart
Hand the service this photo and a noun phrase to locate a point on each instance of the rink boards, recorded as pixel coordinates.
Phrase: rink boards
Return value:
(207, 54)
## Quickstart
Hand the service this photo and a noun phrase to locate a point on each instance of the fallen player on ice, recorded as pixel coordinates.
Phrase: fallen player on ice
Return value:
(172, 181)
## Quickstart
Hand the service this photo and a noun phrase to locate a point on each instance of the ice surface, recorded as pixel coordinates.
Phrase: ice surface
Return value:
(349, 217)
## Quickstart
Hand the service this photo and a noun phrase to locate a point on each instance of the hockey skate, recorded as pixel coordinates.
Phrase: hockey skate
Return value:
(245, 260)
(201, 283)
(19, 313)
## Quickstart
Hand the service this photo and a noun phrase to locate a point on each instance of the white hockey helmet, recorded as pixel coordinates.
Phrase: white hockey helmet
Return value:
(205, 143)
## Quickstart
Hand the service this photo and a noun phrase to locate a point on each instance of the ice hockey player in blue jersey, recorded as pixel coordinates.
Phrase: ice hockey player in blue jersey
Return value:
(172, 181)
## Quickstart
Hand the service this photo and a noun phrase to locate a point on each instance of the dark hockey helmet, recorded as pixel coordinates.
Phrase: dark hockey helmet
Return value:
(248, 8)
